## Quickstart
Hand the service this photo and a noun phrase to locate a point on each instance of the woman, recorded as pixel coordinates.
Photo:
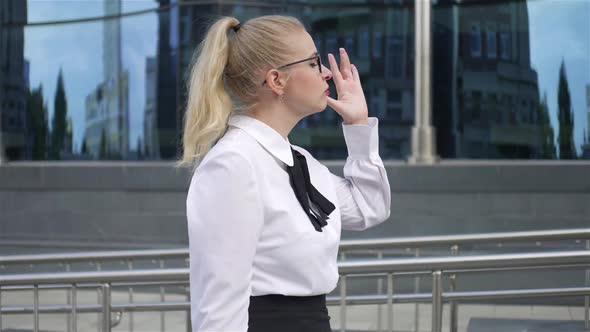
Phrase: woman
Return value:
(264, 216)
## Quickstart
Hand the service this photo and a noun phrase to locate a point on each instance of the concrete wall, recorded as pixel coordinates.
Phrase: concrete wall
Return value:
(143, 204)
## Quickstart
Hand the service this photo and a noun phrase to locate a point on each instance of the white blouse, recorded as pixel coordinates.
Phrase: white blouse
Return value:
(249, 235)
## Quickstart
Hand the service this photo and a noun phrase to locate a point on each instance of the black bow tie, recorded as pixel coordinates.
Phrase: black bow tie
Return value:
(300, 181)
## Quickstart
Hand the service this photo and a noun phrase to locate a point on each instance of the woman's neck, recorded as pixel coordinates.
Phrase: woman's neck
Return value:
(278, 117)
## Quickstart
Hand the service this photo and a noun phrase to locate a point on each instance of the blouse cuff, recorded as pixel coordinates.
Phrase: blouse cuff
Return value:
(362, 140)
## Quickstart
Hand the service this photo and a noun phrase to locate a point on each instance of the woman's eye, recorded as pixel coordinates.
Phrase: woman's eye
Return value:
(313, 64)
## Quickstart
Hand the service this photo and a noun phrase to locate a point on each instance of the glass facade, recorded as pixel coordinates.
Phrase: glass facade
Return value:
(106, 80)
(510, 79)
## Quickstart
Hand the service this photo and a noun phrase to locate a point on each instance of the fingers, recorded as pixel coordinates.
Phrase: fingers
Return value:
(355, 73)
(334, 69)
(346, 71)
(345, 64)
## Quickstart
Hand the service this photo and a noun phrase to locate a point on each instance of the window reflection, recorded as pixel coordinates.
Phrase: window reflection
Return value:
(511, 78)
(497, 84)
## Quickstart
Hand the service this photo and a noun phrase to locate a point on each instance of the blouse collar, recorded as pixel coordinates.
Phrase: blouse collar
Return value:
(269, 138)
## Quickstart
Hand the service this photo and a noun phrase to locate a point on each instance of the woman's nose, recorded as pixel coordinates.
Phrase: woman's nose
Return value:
(326, 73)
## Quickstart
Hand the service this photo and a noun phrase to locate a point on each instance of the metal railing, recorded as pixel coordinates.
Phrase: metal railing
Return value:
(376, 247)
(437, 267)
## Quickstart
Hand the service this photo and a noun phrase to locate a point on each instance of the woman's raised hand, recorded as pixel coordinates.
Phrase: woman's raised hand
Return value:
(351, 103)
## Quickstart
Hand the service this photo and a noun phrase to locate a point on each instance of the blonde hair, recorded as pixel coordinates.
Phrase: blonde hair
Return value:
(226, 65)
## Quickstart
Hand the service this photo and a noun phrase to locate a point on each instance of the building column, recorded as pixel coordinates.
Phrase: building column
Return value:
(2, 160)
(423, 134)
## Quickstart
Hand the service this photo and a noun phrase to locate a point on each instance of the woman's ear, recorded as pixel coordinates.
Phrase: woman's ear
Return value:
(276, 81)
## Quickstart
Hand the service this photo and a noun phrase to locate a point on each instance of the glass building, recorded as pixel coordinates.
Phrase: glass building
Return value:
(106, 80)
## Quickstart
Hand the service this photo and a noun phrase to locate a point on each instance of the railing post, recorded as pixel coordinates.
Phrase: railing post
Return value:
(343, 303)
(98, 294)
(69, 302)
(0, 308)
(417, 305)
(453, 304)
(379, 291)
(74, 314)
(130, 292)
(437, 301)
(162, 299)
(189, 327)
(343, 297)
(106, 307)
(36, 308)
(587, 298)
(390, 302)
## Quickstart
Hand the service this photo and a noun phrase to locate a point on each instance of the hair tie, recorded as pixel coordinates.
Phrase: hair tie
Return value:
(237, 27)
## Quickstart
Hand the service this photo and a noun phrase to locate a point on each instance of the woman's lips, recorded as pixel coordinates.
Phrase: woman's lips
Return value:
(327, 92)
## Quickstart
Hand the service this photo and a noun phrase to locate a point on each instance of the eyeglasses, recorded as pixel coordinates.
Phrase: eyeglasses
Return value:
(316, 57)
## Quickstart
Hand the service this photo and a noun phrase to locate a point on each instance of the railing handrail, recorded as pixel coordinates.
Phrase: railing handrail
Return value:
(403, 242)
(477, 238)
(95, 256)
(466, 263)
(520, 261)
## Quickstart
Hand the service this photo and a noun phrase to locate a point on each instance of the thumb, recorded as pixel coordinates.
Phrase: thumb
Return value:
(335, 104)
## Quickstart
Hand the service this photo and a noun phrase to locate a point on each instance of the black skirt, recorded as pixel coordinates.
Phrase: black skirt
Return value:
(272, 313)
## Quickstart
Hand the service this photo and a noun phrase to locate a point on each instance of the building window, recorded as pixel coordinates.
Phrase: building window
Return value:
(491, 41)
(377, 104)
(363, 44)
(377, 39)
(393, 110)
(533, 113)
(505, 45)
(349, 43)
(393, 57)
(475, 40)
(186, 22)
(332, 42)
(476, 105)
(317, 39)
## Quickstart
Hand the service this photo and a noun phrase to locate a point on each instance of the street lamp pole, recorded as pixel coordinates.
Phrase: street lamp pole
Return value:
(423, 134)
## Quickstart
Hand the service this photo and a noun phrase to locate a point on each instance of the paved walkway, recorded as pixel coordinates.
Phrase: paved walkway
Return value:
(471, 318)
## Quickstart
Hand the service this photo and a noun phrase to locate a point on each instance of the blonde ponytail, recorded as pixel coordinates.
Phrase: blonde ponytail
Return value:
(208, 105)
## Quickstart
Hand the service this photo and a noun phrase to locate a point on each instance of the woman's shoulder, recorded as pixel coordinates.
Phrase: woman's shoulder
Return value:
(230, 150)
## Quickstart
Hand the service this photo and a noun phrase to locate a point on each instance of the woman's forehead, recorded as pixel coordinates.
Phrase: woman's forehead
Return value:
(302, 44)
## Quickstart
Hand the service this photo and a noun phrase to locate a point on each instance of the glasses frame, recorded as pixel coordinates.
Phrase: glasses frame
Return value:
(318, 61)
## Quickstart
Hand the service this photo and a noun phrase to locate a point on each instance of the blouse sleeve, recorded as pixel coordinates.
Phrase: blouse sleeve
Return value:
(364, 194)
(224, 215)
